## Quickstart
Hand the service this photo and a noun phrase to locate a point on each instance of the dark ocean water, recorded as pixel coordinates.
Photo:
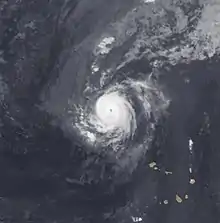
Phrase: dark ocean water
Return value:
(46, 52)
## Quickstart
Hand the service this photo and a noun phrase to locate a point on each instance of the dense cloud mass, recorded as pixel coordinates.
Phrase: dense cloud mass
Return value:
(109, 111)
(113, 120)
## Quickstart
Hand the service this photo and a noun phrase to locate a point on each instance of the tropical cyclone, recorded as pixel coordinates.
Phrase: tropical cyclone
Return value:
(121, 119)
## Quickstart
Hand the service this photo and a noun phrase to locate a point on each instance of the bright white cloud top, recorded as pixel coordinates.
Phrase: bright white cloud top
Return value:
(120, 120)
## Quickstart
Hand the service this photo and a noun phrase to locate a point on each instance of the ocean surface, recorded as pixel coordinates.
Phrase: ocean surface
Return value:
(161, 59)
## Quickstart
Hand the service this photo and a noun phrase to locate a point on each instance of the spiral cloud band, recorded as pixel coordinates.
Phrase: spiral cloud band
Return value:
(121, 119)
